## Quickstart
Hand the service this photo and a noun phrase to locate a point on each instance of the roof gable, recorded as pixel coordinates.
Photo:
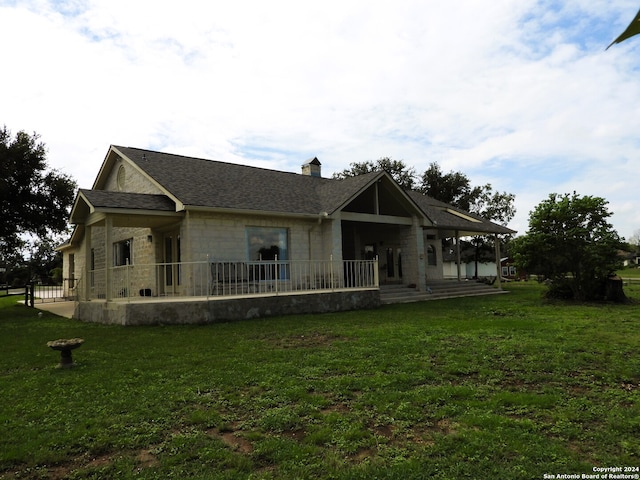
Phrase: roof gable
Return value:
(381, 195)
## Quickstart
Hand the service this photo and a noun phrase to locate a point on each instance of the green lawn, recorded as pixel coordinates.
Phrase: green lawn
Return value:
(633, 273)
(504, 387)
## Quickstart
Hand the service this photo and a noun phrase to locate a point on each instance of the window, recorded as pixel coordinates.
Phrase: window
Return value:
(71, 275)
(122, 253)
(369, 252)
(121, 178)
(265, 243)
(431, 255)
(93, 267)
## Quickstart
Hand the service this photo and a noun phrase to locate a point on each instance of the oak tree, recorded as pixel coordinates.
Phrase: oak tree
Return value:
(570, 243)
(34, 200)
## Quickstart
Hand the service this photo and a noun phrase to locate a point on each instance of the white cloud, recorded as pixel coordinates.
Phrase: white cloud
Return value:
(520, 94)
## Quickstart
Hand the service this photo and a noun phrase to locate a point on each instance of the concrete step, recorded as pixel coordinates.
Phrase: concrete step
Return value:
(438, 290)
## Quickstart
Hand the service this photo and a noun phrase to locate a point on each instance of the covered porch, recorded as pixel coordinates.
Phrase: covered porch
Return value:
(137, 266)
(215, 291)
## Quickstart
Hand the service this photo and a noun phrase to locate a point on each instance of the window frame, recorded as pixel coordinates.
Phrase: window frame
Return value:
(123, 253)
(254, 231)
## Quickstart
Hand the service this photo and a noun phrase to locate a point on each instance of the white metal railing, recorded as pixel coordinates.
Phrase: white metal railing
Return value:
(214, 278)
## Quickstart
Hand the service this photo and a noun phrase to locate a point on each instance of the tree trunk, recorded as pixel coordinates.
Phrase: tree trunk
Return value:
(614, 291)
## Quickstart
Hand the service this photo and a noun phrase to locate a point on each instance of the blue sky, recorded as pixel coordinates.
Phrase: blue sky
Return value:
(519, 94)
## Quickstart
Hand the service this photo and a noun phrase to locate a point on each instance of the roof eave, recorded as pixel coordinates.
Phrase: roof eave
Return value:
(470, 232)
(238, 211)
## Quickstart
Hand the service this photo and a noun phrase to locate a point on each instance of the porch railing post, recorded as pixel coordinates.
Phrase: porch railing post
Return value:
(376, 273)
(331, 271)
(276, 273)
(208, 272)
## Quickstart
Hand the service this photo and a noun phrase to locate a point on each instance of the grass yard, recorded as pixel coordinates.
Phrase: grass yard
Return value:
(632, 273)
(501, 387)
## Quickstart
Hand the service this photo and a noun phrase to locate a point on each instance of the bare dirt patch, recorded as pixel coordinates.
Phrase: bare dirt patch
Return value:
(233, 439)
(146, 459)
(630, 387)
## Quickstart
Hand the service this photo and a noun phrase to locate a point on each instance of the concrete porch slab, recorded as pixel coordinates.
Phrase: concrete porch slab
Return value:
(64, 309)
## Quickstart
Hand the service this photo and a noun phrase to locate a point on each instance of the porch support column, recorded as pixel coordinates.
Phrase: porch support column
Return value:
(336, 238)
(498, 265)
(458, 255)
(418, 254)
(108, 256)
(86, 277)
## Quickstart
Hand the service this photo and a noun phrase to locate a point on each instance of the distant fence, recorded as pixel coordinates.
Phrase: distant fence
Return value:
(34, 293)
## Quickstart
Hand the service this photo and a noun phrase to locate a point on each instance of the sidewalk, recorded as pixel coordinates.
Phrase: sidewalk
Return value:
(64, 309)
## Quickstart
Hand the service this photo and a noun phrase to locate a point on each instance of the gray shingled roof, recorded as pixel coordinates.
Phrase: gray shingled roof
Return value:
(133, 201)
(437, 212)
(198, 182)
(209, 183)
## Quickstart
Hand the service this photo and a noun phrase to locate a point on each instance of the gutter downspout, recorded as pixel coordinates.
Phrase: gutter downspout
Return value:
(498, 266)
(321, 217)
(458, 254)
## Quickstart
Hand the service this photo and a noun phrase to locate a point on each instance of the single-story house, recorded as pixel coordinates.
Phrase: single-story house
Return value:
(169, 238)
(631, 259)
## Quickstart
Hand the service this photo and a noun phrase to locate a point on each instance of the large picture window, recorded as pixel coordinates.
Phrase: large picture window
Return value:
(265, 243)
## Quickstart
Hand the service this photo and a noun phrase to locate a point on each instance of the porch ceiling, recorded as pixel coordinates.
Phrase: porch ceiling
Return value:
(372, 218)
(384, 203)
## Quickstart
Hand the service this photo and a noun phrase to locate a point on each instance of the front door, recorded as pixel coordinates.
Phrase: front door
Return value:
(391, 270)
(171, 267)
(393, 265)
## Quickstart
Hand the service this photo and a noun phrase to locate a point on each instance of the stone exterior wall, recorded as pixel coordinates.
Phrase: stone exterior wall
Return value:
(223, 310)
(413, 261)
(430, 238)
(223, 236)
(132, 180)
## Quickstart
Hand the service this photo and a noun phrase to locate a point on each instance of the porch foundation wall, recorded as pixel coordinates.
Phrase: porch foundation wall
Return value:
(223, 310)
